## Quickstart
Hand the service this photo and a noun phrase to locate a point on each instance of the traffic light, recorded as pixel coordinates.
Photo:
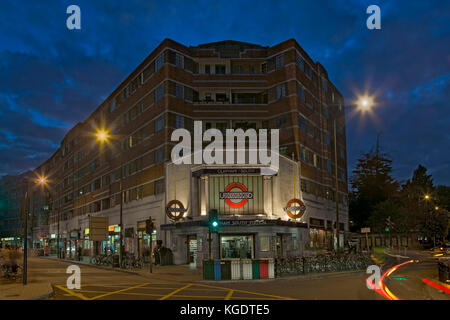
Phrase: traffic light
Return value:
(214, 223)
(149, 226)
(389, 224)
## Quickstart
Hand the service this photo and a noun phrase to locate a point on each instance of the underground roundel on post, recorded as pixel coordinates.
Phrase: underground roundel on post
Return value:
(295, 208)
(236, 195)
(175, 210)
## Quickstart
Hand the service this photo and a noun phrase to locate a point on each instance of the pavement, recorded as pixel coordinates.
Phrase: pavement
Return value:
(48, 280)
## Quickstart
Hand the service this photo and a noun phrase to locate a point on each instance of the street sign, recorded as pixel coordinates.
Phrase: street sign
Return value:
(365, 230)
(98, 228)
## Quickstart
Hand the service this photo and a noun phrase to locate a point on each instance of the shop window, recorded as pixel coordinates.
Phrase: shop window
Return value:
(236, 246)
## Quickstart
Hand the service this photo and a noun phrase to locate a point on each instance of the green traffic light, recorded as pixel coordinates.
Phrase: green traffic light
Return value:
(215, 224)
(386, 229)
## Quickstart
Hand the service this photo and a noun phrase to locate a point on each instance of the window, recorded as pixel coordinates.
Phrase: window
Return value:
(315, 160)
(179, 121)
(159, 186)
(159, 92)
(301, 92)
(281, 121)
(159, 123)
(159, 155)
(281, 91)
(328, 165)
(236, 246)
(179, 91)
(159, 62)
(179, 61)
(112, 105)
(327, 138)
(303, 155)
(220, 69)
(302, 123)
(325, 111)
(279, 61)
(264, 68)
(207, 69)
(325, 86)
(308, 71)
(300, 62)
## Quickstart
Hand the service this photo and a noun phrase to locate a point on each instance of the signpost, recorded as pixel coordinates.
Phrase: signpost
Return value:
(149, 226)
(366, 231)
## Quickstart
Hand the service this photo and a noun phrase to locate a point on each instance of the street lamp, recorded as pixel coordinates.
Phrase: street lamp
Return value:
(364, 103)
(103, 136)
(40, 181)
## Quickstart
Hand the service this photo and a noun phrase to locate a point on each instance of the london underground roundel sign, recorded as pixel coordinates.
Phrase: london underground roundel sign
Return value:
(295, 208)
(175, 210)
(236, 195)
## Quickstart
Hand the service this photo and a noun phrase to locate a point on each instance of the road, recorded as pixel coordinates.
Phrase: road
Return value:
(174, 282)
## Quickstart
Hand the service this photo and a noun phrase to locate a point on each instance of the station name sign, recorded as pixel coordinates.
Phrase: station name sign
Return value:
(225, 171)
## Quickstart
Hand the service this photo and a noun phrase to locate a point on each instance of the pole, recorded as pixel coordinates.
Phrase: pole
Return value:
(151, 246)
(209, 240)
(121, 215)
(25, 240)
(337, 186)
(367, 241)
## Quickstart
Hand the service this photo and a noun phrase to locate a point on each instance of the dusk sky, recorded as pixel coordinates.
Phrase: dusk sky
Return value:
(51, 77)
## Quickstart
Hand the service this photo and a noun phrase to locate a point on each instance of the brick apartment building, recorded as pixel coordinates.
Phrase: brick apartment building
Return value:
(226, 84)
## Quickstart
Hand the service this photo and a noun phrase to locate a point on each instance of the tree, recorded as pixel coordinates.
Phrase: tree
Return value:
(421, 199)
(372, 184)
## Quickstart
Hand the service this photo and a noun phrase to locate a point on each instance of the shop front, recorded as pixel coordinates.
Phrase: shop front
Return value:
(237, 239)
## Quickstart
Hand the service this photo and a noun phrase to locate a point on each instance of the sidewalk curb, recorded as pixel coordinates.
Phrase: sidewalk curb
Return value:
(90, 265)
(297, 277)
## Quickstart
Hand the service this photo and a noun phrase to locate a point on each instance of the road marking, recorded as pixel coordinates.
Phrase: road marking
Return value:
(229, 295)
(78, 295)
(437, 286)
(123, 292)
(174, 292)
(248, 292)
(118, 291)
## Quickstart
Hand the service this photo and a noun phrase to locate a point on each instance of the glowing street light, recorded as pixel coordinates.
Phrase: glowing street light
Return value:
(102, 135)
(427, 197)
(365, 103)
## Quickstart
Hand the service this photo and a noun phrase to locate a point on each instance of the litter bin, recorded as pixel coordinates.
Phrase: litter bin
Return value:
(246, 269)
(444, 270)
(225, 270)
(271, 268)
(208, 270)
(255, 269)
(263, 268)
(235, 270)
(217, 274)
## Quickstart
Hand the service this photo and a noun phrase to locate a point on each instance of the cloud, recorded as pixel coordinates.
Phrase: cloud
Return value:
(51, 78)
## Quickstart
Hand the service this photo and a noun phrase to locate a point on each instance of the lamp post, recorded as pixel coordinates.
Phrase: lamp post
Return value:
(41, 181)
(363, 104)
(103, 137)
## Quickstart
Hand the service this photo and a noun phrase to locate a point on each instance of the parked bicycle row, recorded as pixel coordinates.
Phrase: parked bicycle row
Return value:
(321, 263)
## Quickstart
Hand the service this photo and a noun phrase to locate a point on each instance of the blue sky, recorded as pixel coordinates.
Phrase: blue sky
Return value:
(51, 77)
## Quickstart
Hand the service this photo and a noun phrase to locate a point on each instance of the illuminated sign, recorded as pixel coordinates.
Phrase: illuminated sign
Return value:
(175, 210)
(295, 208)
(235, 198)
(114, 228)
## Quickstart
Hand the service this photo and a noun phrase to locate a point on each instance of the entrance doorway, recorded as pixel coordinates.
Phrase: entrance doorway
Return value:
(279, 243)
(191, 249)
